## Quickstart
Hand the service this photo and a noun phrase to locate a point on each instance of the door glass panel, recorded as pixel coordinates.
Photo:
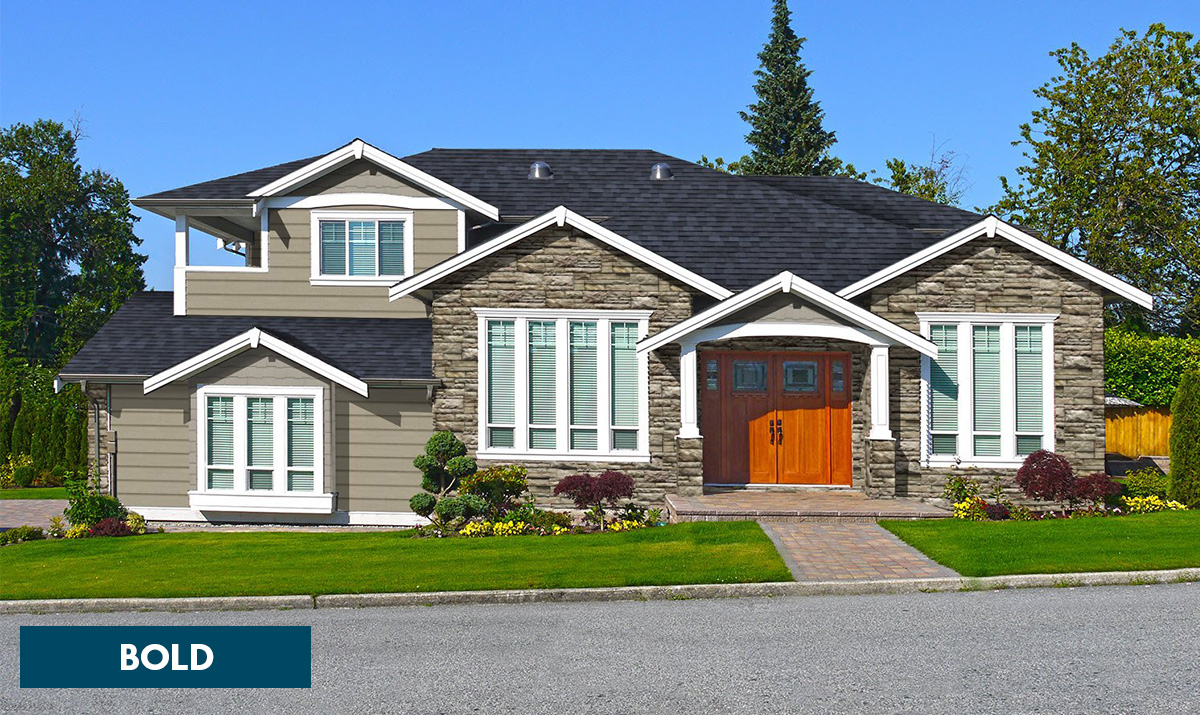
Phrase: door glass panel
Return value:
(839, 376)
(711, 375)
(749, 376)
(799, 376)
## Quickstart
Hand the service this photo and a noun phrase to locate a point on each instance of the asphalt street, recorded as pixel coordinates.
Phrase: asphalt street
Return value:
(1081, 650)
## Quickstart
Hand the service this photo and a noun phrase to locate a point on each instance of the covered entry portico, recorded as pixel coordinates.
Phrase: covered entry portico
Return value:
(785, 384)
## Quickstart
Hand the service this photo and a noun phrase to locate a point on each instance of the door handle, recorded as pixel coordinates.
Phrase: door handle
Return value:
(772, 431)
(779, 431)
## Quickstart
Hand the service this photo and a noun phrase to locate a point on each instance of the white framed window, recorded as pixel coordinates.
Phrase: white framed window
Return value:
(563, 385)
(361, 248)
(988, 398)
(256, 441)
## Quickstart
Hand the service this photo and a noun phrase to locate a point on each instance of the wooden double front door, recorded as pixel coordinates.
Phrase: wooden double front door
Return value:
(776, 417)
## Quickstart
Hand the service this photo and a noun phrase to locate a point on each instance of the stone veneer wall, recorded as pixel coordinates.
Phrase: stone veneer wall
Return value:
(996, 276)
(563, 269)
(97, 397)
(859, 395)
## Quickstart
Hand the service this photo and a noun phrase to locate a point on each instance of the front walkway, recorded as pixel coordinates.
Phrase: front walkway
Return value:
(31, 512)
(832, 505)
(816, 551)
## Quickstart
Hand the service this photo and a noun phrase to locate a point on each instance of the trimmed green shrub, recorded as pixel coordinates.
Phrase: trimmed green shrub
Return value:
(1185, 441)
(422, 503)
(1147, 483)
(24, 475)
(449, 509)
(17, 534)
(1147, 368)
(499, 487)
(444, 463)
(87, 506)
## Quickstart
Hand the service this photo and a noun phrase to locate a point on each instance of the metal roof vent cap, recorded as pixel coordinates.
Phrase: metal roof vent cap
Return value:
(661, 172)
(540, 170)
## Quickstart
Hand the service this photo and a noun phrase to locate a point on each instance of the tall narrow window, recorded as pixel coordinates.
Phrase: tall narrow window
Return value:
(220, 442)
(943, 391)
(391, 248)
(583, 385)
(543, 411)
(300, 442)
(986, 381)
(333, 248)
(501, 362)
(624, 397)
(260, 442)
(362, 248)
(1029, 399)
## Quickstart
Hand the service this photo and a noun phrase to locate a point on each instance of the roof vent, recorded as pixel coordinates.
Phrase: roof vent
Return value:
(661, 172)
(540, 170)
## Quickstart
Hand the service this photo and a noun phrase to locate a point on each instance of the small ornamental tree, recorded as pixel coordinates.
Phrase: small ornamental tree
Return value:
(1185, 441)
(444, 463)
(1047, 476)
(592, 493)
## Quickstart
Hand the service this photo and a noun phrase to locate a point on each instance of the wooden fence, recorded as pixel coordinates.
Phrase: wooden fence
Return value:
(1137, 431)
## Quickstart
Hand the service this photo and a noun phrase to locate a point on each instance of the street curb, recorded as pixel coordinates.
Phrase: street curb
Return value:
(774, 589)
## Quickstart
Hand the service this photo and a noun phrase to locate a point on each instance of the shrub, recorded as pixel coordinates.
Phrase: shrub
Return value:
(444, 463)
(499, 487)
(1019, 512)
(88, 507)
(79, 531)
(57, 527)
(1094, 488)
(959, 489)
(1147, 483)
(54, 478)
(10, 465)
(1185, 441)
(1147, 505)
(112, 526)
(972, 509)
(136, 523)
(450, 509)
(1146, 368)
(1047, 476)
(422, 503)
(997, 512)
(592, 493)
(17, 534)
(24, 475)
(543, 520)
(626, 525)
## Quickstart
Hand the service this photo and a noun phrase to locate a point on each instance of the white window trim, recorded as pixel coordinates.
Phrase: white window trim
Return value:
(1008, 322)
(241, 498)
(315, 219)
(604, 428)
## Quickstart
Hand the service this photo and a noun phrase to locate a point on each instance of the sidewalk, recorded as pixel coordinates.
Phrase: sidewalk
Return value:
(824, 551)
(31, 512)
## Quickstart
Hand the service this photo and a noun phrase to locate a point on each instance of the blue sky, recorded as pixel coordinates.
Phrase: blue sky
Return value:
(171, 94)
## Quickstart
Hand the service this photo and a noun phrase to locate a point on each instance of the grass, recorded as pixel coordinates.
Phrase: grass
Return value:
(1165, 540)
(33, 493)
(282, 563)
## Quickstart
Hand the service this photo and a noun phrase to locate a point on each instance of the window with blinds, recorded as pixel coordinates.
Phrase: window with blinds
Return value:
(260, 443)
(988, 400)
(562, 386)
(362, 248)
(502, 383)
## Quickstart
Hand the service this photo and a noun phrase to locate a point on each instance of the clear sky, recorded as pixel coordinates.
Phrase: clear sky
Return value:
(175, 93)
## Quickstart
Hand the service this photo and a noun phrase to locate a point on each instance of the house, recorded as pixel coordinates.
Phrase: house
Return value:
(577, 310)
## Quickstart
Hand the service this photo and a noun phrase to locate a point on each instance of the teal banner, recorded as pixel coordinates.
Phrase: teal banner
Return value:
(168, 656)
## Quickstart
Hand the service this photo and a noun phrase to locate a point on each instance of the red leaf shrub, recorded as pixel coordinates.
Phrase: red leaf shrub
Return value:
(1095, 488)
(1047, 476)
(586, 490)
(997, 512)
(111, 526)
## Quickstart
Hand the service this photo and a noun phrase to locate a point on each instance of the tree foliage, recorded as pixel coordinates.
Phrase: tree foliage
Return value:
(1147, 368)
(67, 247)
(943, 179)
(786, 131)
(1112, 168)
(1185, 441)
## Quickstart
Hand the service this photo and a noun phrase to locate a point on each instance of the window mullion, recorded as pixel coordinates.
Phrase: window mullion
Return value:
(279, 437)
(521, 383)
(240, 474)
(966, 390)
(604, 385)
(643, 391)
(562, 395)
(1008, 392)
(346, 244)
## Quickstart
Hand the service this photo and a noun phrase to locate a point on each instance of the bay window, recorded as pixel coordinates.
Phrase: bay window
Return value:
(357, 247)
(561, 384)
(988, 398)
(260, 441)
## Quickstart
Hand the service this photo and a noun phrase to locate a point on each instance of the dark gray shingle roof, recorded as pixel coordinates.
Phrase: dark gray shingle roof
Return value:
(233, 187)
(144, 338)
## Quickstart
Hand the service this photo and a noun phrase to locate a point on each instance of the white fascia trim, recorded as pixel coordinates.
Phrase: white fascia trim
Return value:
(250, 339)
(546, 313)
(266, 503)
(790, 283)
(358, 149)
(324, 201)
(848, 333)
(560, 216)
(990, 227)
(985, 318)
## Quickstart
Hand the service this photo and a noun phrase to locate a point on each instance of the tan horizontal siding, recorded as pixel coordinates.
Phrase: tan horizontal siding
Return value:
(153, 436)
(377, 440)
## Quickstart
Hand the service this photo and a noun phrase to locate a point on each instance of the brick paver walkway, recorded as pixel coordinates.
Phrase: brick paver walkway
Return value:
(838, 505)
(816, 551)
(32, 512)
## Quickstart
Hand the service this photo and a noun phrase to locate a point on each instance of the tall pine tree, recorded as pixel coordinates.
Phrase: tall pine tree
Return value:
(786, 135)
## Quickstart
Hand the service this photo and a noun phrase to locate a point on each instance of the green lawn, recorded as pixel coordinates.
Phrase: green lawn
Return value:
(275, 563)
(1166, 540)
(34, 493)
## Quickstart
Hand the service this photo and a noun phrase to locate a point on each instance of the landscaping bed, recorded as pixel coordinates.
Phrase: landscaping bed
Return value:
(1163, 540)
(236, 564)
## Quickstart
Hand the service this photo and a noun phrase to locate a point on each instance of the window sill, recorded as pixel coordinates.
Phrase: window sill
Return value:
(555, 456)
(289, 503)
(362, 281)
(975, 464)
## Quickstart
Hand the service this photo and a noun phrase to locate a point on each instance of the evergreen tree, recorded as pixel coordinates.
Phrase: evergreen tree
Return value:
(21, 428)
(786, 135)
(1185, 441)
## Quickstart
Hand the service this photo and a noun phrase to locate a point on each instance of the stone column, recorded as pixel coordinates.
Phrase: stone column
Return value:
(690, 479)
